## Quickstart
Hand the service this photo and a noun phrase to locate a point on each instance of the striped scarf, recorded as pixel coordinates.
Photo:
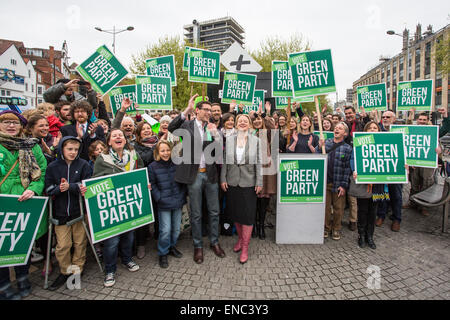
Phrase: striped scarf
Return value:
(28, 167)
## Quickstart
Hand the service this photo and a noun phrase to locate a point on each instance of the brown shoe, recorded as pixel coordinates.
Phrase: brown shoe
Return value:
(198, 255)
(379, 222)
(395, 226)
(352, 226)
(218, 251)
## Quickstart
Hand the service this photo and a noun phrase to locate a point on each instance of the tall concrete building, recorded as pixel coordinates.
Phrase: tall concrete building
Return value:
(415, 62)
(216, 35)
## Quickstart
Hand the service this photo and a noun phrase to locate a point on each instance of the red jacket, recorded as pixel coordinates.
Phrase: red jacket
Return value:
(54, 125)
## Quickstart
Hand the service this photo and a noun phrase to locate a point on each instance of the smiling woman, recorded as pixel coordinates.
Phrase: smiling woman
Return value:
(22, 172)
(118, 157)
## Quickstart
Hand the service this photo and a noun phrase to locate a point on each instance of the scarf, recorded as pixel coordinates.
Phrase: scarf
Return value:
(28, 167)
(122, 163)
(150, 142)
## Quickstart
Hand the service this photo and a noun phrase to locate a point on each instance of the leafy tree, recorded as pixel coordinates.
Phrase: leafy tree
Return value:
(442, 55)
(167, 46)
(275, 48)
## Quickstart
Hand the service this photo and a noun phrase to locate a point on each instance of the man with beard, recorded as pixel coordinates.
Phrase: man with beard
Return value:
(62, 109)
(80, 112)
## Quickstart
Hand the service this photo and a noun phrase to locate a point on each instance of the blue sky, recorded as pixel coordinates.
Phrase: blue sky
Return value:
(355, 31)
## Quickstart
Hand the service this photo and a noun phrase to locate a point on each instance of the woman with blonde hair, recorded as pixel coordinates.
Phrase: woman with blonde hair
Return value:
(241, 179)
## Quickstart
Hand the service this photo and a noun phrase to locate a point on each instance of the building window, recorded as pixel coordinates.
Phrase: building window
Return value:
(13, 62)
(32, 88)
(39, 77)
(29, 73)
(3, 92)
(8, 93)
(39, 90)
(39, 101)
(26, 86)
(438, 99)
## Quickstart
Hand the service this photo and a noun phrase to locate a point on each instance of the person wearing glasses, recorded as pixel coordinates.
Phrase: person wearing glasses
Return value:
(22, 173)
(395, 190)
(200, 140)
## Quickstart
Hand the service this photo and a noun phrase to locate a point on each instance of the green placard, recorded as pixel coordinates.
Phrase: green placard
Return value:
(117, 94)
(162, 67)
(379, 157)
(372, 97)
(186, 59)
(118, 203)
(153, 93)
(103, 70)
(19, 223)
(282, 102)
(204, 66)
(326, 134)
(420, 144)
(415, 94)
(257, 98)
(301, 180)
(239, 87)
(312, 73)
(281, 79)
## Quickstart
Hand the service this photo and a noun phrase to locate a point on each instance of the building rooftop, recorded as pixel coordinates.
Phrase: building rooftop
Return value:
(234, 23)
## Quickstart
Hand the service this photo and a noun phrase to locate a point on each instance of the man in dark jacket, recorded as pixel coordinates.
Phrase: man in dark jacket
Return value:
(353, 124)
(63, 183)
(87, 132)
(198, 173)
(64, 90)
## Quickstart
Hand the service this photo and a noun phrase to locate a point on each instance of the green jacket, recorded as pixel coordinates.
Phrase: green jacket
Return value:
(12, 184)
(104, 165)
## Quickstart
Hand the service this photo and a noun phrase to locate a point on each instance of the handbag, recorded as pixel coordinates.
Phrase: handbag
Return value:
(359, 190)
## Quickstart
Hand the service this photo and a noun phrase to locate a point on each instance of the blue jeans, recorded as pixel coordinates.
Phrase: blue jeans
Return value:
(195, 191)
(21, 274)
(111, 250)
(395, 196)
(169, 229)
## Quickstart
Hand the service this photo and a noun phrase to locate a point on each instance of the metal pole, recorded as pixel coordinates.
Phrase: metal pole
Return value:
(114, 39)
(49, 244)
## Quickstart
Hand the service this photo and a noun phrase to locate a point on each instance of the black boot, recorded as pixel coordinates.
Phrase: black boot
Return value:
(369, 239)
(255, 230)
(262, 217)
(362, 241)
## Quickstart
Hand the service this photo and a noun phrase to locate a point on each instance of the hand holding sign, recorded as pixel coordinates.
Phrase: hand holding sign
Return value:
(268, 107)
(83, 190)
(27, 194)
(232, 106)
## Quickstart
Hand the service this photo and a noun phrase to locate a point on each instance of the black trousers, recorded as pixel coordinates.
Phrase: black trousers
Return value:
(367, 210)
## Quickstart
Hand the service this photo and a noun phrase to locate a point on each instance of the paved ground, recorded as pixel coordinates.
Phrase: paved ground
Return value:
(414, 264)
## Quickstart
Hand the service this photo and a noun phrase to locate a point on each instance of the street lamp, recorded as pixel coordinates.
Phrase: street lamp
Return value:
(114, 32)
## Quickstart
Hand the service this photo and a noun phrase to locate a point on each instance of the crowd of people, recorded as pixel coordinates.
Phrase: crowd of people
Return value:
(224, 178)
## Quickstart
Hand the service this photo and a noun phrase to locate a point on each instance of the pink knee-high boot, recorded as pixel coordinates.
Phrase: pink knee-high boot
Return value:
(246, 236)
(238, 245)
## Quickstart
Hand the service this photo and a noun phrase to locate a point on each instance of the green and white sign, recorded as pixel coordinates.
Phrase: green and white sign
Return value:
(326, 134)
(102, 70)
(379, 157)
(312, 73)
(301, 180)
(281, 79)
(19, 222)
(282, 102)
(415, 94)
(372, 97)
(162, 67)
(204, 66)
(186, 58)
(119, 93)
(239, 87)
(257, 98)
(420, 144)
(153, 93)
(118, 203)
